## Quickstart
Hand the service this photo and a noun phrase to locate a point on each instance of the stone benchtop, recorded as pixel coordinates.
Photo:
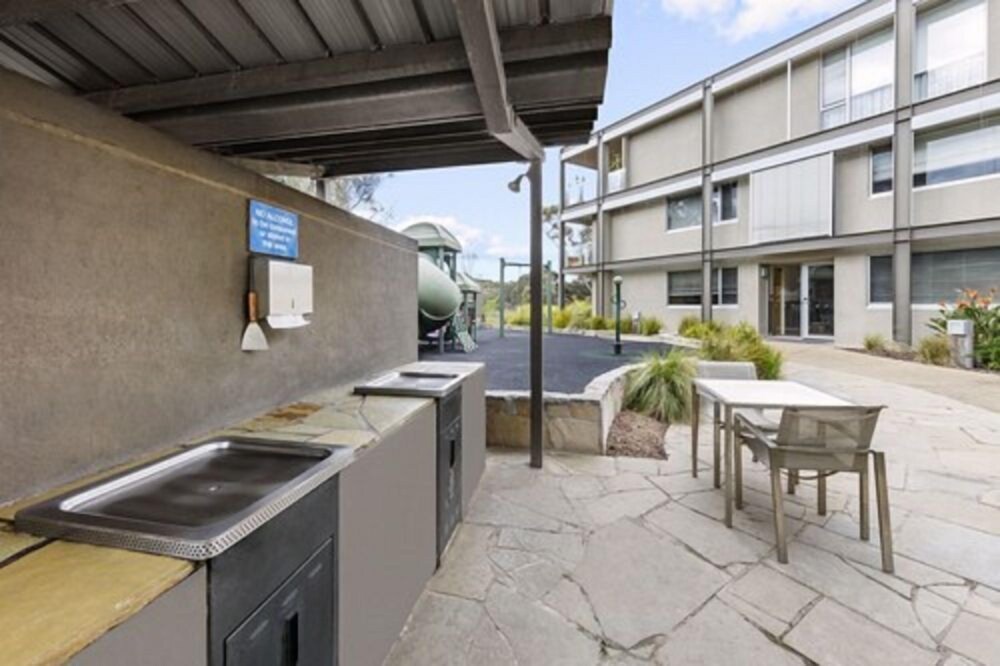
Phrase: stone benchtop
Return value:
(57, 597)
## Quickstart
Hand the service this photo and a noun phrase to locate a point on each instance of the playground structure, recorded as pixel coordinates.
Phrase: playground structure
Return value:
(547, 278)
(448, 299)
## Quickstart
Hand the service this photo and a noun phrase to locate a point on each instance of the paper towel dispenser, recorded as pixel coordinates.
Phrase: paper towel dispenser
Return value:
(284, 292)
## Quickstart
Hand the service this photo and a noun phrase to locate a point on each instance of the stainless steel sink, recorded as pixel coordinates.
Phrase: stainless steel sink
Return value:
(192, 504)
(412, 383)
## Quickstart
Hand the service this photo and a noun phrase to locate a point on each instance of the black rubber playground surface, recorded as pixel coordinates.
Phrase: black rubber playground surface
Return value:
(571, 361)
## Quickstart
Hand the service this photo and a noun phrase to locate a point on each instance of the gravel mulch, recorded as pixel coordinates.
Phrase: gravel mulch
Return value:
(636, 435)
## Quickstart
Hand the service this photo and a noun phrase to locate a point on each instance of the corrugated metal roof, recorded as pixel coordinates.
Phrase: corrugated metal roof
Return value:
(356, 83)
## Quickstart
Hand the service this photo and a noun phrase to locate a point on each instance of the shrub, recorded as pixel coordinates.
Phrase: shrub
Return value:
(687, 323)
(875, 342)
(935, 349)
(626, 324)
(704, 329)
(985, 317)
(599, 323)
(519, 316)
(561, 317)
(650, 326)
(661, 386)
(743, 343)
(579, 315)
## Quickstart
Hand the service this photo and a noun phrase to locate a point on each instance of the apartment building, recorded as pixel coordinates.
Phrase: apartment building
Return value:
(840, 183)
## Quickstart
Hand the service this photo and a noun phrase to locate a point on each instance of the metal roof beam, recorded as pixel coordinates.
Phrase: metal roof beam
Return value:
(482, 46)
(519, 45)
(15, 12)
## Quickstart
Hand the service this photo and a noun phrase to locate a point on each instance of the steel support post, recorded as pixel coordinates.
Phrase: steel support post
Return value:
(537, 406)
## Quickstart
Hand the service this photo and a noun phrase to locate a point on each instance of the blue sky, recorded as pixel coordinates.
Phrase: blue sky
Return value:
(658, 48)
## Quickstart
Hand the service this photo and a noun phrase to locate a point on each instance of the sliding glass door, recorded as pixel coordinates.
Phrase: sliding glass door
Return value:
(817, 299)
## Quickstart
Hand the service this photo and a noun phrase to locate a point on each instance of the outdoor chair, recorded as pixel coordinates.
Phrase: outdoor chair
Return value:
(824, 440)
(727, 370)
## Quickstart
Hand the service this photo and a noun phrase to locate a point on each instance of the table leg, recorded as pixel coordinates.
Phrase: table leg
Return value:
(716, 445)
(695, 415)
(728, 463)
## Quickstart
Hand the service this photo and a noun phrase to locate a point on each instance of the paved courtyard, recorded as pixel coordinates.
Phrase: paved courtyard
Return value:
(623, 561)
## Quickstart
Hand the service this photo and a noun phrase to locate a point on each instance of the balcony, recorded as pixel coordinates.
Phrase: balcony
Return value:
(617, 180)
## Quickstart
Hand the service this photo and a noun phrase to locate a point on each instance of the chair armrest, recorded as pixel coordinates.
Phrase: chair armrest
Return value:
(747, 427)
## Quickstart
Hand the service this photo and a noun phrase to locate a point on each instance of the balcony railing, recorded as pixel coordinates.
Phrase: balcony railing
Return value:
(950, 77)
(580, 255)
(616, 180)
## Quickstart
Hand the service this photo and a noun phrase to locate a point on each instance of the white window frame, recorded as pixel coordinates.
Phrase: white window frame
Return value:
(872, 194)
(949, 183)
(848, 51)
(873, 305)
(986, 55)
(717, 188)
(682, 195)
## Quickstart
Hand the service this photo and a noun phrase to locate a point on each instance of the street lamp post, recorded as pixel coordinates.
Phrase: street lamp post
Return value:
(618, 315)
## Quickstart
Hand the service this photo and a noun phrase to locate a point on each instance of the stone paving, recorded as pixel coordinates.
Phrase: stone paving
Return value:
(623, 561)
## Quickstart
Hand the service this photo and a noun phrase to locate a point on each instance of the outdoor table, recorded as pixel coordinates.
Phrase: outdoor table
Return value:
(733, 394)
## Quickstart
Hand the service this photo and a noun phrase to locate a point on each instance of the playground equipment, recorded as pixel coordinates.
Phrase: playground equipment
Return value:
(447, 298)
(548, 276)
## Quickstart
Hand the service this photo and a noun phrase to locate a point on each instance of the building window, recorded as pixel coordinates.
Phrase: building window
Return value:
(726, 283)
(684, 212)
(939, 276)
(880, 279)
(725, 202)
(684, 287)
(950, 49)
(857, 80)
(881, 158)
(969, 150)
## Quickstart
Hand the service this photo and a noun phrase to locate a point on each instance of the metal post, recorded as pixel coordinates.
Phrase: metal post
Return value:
(501, 299)
(618, 315)
(548, 292)
(707, 270)
(537, 406)
(561, 283)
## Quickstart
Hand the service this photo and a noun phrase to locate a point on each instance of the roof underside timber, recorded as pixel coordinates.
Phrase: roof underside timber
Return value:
(351, 86)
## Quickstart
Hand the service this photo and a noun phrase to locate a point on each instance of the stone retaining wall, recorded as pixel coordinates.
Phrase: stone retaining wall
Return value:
(573, 421)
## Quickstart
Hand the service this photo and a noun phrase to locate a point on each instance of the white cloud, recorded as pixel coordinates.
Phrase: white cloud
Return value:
(740, 19)
(498, 247)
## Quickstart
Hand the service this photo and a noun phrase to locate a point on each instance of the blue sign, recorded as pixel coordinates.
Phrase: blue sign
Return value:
(273, 231)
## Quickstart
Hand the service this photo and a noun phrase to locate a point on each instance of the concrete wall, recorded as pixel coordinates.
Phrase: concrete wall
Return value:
(641, 231)
(855, 210)
(668, 148)
(992, 38)
(805, 96)
(956, 202)
(750, 118)
(853, 318)
(736, 234)
(124, 269)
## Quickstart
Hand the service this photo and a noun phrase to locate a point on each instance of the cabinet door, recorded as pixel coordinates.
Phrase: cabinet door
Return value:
(294, 627)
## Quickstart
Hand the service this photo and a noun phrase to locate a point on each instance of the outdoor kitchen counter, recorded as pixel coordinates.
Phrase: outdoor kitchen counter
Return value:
(57, 597)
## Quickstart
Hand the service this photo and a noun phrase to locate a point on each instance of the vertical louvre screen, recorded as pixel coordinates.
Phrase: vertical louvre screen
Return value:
(792, 201)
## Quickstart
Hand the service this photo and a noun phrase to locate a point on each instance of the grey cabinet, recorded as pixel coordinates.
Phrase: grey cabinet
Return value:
(387, 538)
(292, 627)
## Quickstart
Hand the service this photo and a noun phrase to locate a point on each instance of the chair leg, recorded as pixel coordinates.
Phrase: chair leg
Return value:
(738, 467)
(695, 416)
(820, 494)
(793, 478)
(779, 515)
(717, 444)
(882, 499)
(863, 501)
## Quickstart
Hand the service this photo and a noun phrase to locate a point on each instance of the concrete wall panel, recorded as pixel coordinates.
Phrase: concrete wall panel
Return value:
(855, 209)
(665, 149)
(124, 268)
(853, 317)
(805, 97)
(751, 118)
(956, 202)
(641, 231)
